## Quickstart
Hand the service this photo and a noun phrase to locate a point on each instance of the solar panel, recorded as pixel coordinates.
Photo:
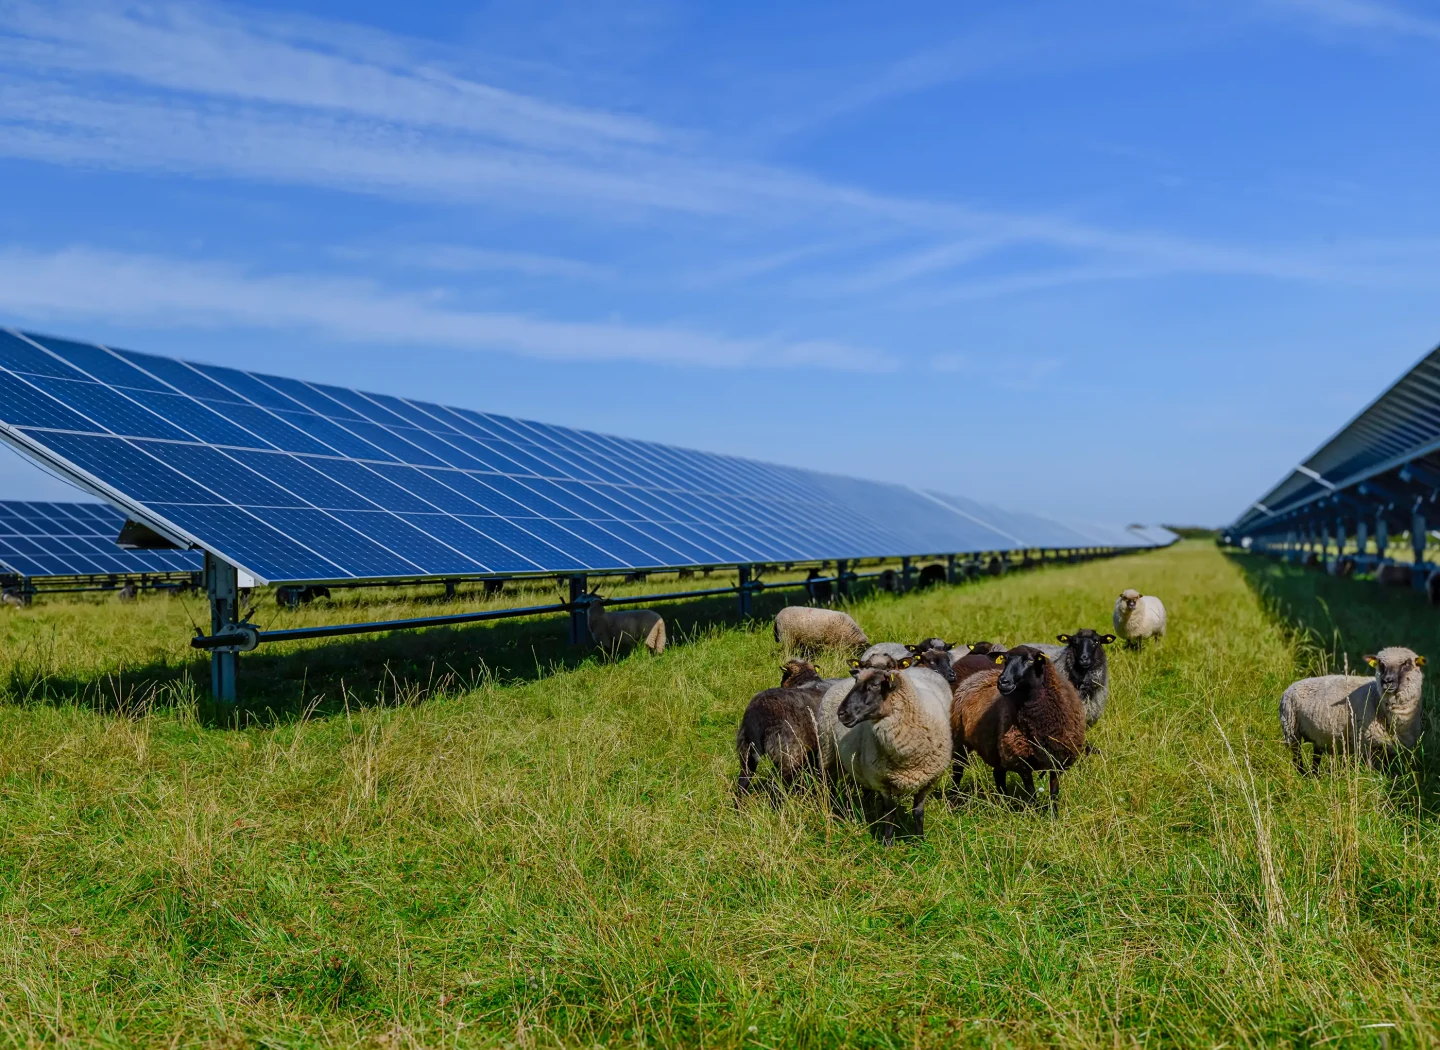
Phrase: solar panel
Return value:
(292, 480)
(75, 539)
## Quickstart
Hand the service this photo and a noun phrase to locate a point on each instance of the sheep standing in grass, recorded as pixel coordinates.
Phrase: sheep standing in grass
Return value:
(1025, 719)
(1394, 575)
(1373, 717)
(614, 630)
(1138, 617)
(804, 629)
(801, 674)
(1080, 657)
(888, 732)
(782, 725)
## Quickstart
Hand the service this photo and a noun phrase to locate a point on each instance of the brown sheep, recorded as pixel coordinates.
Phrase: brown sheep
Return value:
(1026, 718)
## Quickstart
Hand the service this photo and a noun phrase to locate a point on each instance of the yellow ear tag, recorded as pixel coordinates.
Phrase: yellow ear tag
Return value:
(1419, 661)
(1370, 660)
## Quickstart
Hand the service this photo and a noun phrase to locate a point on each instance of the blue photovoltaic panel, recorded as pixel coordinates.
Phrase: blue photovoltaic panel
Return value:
(76, 539)
(290, 480)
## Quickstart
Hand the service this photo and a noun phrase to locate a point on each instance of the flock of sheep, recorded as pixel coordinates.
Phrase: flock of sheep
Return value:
(905, 714)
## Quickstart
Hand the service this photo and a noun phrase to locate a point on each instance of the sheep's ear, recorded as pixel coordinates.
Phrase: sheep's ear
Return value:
(1106, 639)
(1041, 658)
(1419, 661)
(914, 649)
(1063, 639)
(854, 665)
(949, 646)
(999, 657)
(1370, 660)
(907, 662)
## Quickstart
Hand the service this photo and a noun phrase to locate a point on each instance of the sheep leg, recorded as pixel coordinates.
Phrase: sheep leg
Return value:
(749, 762)
(1054, 792)
(1027, 779)
(1000, 781)
(888, 822)
(917, 815)
(957, 770)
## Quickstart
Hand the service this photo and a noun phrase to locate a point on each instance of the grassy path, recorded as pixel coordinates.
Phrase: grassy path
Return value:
(557, 861)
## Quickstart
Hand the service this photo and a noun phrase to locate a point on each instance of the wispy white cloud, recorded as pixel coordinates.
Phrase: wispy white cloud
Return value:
(148, 290)
(464, 258)
(1365, 14)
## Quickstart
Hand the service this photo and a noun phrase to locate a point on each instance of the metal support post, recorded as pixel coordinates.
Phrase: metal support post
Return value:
(1382, 537)
(744, 572)
(1324, 544)
(950, 569)
(842, 578)
(450, 586)
(1362, 539)
(222, 585)
(904, 575)
(1418, 537)
(1339, 538)
(579, 623)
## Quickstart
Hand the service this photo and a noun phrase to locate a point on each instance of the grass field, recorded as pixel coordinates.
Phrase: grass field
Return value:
(537, 849)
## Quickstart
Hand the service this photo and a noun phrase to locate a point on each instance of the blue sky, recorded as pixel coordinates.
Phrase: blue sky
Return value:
(1108, 261)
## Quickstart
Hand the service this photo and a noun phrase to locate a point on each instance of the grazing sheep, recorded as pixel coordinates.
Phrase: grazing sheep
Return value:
(1138, 616)
(888, 731)
(1394, 575)
(1080, 657)
(13, 597)
(781, 724)
(802, 628)
(1026, 718)
(938, 660)
(801, 674)
(822, 591)
(931, 643)
(632, 627)
(129, 591)
(1432, 587)
(1373, 717)
(296, 595)
(889, 580)
(996, 566)
(931, 575)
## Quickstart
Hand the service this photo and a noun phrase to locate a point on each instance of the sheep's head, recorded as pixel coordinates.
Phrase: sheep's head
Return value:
(1085, 644)
(797, 672)
(1393, 665)
(1024, 667)
(869, 698)
(986, 648)
(930, 643)
(938, 660)
(1128, 598)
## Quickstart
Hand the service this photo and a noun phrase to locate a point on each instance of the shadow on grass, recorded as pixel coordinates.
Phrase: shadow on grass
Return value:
(328, 676)
(1336, 622)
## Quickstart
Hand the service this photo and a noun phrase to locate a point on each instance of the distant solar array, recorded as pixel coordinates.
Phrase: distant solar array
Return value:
(75, 539)
(298, 481)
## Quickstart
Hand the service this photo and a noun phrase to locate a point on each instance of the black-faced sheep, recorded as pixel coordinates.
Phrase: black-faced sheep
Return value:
(129, 592)
(820, 590)
(931, 576)
(1026, 718)
(889, 581)
(801, 674)
(804, 629)
(888, 732)
(1080, 657)
(1373, 717)
(1138, 617)
(614, 630)
(1394, 575)
(783, 725)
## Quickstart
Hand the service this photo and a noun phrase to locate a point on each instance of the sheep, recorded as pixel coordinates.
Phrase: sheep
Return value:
(801, 674)
(996, 566)
(889, 580)
(938, 660)
(1370, 716)
(1394, 576)
(820, 590)
(296, 595)
(129, 592)
(1080, 657)
(802, 628)
(931, 575)
(1138, 617)
(888, 731)
(633, 627)
(931, 643)
(14, 597)
(1026, 718)
(884, 655)
(783, 725)
(1432, 587)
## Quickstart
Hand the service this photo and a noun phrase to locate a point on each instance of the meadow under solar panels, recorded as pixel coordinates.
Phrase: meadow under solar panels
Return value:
(43, 539)
(299, 481)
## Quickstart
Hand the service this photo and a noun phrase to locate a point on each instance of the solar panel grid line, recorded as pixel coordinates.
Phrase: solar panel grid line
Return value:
(52, 539)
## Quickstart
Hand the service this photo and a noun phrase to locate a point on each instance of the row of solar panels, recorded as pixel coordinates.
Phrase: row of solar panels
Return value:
(1400, 427)
(296, 481)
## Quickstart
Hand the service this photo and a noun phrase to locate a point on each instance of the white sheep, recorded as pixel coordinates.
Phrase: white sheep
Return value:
(1138, 616)
(888, 731)
(1373, 717)
(885, 655)
(803, 628)
(612, 630)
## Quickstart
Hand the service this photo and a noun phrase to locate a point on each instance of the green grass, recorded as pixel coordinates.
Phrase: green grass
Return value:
(546, 852)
